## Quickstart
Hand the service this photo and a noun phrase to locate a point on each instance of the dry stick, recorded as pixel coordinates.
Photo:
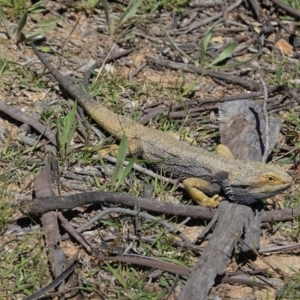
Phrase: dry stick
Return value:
(24, 118)
(53, 284)
(201, 105)
(111, 57)
(214, 17)
(151, 239)
(149, 262)
(133, 213)
(145, 171)
(288, 247)
(182, 270)
(217, 253)
(225, 9)
(137, 70)
(266, 116)
(246, 83)
(258, 10)
(68, 202)
(38, 206)
(245, 280)
(71, 230)
(16, 196)
(293, 11)
(207, 3)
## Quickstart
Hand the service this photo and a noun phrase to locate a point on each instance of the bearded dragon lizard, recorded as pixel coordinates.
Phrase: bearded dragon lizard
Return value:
(205, 174)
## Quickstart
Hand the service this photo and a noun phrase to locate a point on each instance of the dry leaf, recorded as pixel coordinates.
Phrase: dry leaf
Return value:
(284, 47)
(218, 39)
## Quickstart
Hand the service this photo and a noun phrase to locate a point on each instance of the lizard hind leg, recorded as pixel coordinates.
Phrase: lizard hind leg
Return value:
(110, 150)
(133, 147)
(224, 151)
(194, 187)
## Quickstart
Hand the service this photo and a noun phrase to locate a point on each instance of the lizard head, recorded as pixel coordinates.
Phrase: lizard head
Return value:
(261, 180)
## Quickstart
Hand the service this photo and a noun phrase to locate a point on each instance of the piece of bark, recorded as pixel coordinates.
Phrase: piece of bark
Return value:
(42, 187)
(35, 206)
(242, 129)
(251, 242)
(21, 116)
(232, 220)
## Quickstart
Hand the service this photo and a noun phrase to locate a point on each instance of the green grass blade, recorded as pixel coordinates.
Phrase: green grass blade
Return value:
(227, 52)
(122, 151)
(59, 140)
(21, 24)
(205, 42)
(70, 124)
(117, 275)
(6, 3)
(37, 7)
(129, 12)
(107, 16)
(4, 21)
(42, 27)
(204, 45)
(177, 48)
(124, 172)
(240, 63)
(3, 66)
(66, 127)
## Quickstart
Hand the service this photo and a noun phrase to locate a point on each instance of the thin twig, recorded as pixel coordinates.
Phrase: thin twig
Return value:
(53, 284)
(20, 116)
(214, 17)
(71, 230)
(292, 11)
(142, 170)
(41, 205)
(266, 116)
(133, 213)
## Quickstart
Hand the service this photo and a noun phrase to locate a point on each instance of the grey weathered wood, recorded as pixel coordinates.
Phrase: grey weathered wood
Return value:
(251, 242)
(232, 220)
(242, 129)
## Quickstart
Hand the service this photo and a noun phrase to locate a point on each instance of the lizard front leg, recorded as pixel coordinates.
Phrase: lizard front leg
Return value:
(224, 151)
(195, 186)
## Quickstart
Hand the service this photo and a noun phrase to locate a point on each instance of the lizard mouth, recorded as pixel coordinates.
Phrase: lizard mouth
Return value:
(246, 195)
(268, 192)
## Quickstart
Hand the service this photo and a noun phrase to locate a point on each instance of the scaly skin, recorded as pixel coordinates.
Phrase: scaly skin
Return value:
(196, 166)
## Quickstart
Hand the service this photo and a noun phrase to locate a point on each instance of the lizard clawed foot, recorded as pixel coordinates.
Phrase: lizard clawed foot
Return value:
(212, 202)
(194, 187)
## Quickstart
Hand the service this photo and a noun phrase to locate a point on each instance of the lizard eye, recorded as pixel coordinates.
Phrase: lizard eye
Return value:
(270, 178)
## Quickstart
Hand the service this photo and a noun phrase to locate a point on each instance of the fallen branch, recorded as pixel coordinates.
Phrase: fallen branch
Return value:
(226, 77)
(38, 206)
(217, 254)
(20, 116)
(291, 10)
